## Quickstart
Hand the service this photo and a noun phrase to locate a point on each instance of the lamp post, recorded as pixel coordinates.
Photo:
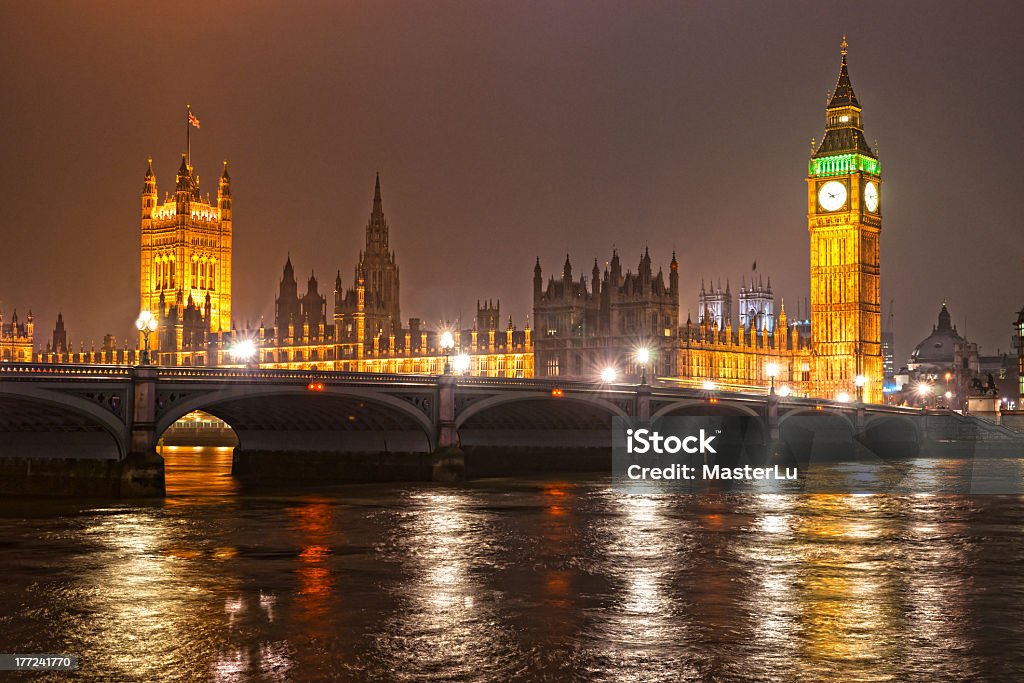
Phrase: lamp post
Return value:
(643, 356)
(447, 344)
(772, 370)
(860, 381)
(146, 324)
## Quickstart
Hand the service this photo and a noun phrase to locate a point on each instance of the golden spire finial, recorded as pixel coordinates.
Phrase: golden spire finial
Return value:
(843, 46)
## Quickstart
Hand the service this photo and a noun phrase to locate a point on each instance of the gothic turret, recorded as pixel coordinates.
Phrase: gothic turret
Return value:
(149, 196)
(224, 194)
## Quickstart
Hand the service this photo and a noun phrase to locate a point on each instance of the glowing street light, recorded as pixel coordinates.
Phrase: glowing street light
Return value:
(784, 390)
(447, 343)
(772, 370)
(643, 356)
(860, 381)
(461, 363)
(924, 390)
(843, 397)
(243, 351)
(609, 375)
(146, 324)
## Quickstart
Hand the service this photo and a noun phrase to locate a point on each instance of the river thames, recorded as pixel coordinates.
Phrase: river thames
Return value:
(513, 580)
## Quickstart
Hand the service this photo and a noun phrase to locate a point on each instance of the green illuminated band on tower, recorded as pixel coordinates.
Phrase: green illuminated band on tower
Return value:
(839, 164)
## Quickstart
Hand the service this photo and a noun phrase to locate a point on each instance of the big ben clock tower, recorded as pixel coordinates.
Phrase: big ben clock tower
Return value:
(844, 218)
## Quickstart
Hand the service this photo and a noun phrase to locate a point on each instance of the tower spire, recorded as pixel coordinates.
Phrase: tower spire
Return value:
(377, 226)
(844, 125)
(378, 203)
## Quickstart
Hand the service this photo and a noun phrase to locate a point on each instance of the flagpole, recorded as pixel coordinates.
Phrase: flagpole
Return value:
(188, 139)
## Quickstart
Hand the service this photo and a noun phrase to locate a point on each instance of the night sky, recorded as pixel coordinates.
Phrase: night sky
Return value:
(504, 131)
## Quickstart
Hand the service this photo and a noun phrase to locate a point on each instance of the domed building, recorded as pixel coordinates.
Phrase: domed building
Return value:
(945, 361)
(944, 350)
(949, 362)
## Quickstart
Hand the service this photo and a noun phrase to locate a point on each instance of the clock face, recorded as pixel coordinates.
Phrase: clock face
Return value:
(871, 196)
(832, 195)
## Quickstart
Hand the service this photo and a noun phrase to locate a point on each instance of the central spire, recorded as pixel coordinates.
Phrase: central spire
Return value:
(377, 226)
(378, 204)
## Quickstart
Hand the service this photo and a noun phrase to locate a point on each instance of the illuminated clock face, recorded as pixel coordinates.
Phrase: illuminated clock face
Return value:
(832, 195)
(871, 196)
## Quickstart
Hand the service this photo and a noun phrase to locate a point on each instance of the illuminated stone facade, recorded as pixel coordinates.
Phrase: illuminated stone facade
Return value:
(16, 338)
(185, 275)
(738, 359)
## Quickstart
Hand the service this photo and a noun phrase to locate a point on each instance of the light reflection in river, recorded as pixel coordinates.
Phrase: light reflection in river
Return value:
(516, 580)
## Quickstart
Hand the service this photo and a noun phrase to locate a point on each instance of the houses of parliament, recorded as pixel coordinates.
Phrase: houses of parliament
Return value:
(581, 325)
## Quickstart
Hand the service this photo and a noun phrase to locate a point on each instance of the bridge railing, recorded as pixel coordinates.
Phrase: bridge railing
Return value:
(35, 370)
(220, 374)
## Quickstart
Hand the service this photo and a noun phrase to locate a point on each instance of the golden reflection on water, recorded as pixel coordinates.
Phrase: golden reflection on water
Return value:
(848, 591)
(198, 474)
(447, 621)
(643, 549)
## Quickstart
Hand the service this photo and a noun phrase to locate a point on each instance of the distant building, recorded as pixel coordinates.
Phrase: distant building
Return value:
(714, 306)
(584, 327)
(757, 306)
(1018, 343)
(889, 352)
(946, 361)
(16, 338)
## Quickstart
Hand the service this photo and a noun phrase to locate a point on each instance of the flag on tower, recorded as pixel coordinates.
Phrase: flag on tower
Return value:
(192, 119)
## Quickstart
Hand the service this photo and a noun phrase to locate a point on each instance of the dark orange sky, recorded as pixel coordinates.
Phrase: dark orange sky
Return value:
(504, 131)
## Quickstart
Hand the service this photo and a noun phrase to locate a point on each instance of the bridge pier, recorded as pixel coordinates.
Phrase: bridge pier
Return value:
(448, 461)
(142, 469)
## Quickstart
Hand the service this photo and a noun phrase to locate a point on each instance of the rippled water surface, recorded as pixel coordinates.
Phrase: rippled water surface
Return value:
(506, 580)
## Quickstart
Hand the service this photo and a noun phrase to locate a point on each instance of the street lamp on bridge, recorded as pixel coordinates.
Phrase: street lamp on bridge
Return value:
(447, 344)
(643, 356)
(860, 381)
(146, 324)
(245, 351)
(772, 370)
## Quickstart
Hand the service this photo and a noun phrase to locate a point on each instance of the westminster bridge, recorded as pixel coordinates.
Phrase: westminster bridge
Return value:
(95, 429)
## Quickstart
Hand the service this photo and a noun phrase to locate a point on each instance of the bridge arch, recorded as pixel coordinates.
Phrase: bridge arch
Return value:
(700, 406)
(483, 405)
(841, 416)
(286, 417)
(37, 421)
